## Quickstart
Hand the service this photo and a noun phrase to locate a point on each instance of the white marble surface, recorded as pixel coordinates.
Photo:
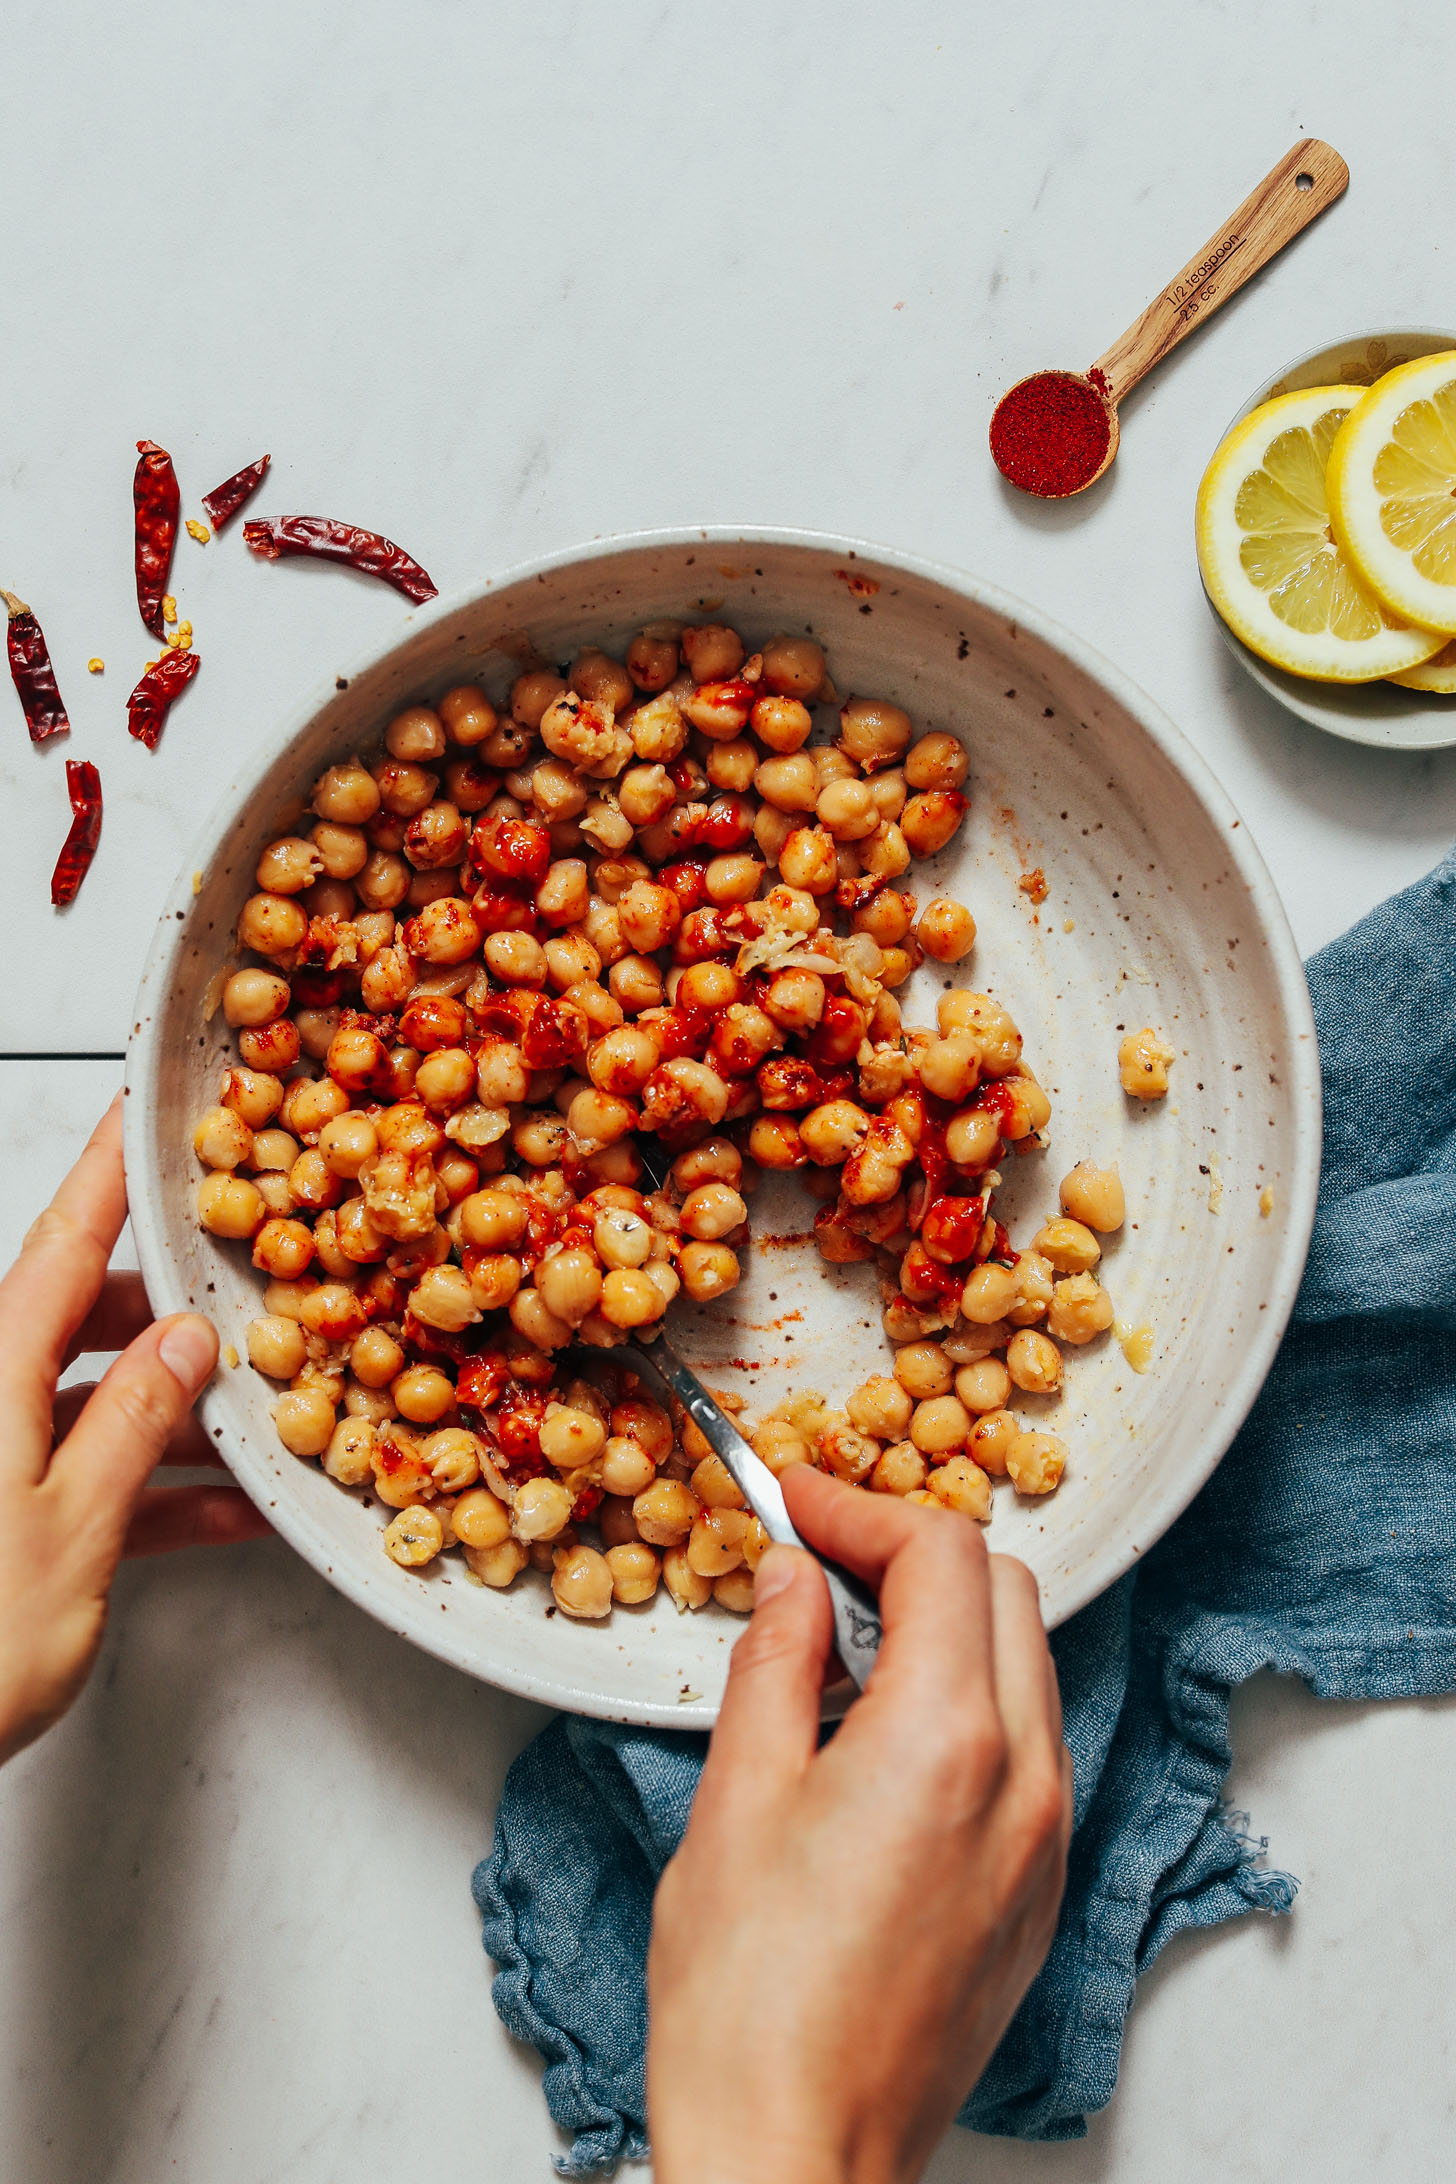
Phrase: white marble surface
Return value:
(493, 280)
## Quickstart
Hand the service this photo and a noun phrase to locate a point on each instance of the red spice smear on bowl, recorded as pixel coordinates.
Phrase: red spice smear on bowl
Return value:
(1049, 434)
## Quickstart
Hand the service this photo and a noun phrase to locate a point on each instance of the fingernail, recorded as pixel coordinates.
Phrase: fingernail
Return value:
(188, 1349)
(775, 1574)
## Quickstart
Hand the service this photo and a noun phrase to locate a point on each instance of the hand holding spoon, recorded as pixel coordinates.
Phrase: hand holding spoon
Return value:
(1055, 433)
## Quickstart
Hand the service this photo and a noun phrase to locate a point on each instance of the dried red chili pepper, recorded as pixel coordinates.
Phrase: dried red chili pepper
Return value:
(154, 696)
(83, 784)
(224, 501)
(158, 504)
(32, 673)
(328, 540)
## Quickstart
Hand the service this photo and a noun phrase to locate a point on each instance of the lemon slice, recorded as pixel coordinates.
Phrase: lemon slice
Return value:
(1437, 675)
(1392, 486)
(1270, 561)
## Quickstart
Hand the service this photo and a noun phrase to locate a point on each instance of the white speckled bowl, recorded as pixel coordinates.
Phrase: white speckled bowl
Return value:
(1158, 910)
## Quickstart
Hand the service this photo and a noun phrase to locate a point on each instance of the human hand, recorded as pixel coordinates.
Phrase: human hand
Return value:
(845, 1933)
(74, 1467)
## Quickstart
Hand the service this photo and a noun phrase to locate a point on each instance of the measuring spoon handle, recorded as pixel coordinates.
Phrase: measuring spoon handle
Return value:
(1292, 194)
(857, 1627)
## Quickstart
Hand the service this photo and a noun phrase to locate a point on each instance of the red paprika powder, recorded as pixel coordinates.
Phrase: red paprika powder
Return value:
(1049, 434)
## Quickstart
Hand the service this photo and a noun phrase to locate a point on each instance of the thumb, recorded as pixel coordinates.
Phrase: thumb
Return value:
(768, 1725)
(118, 1440)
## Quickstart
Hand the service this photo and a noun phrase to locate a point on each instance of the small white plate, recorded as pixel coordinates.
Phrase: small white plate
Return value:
(1381, 713)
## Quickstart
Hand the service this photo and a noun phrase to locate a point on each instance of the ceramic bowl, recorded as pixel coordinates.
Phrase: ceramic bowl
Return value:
(1380, 713)
(1157, 910)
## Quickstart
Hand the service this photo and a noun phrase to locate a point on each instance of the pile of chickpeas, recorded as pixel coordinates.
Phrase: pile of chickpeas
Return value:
(633, 900)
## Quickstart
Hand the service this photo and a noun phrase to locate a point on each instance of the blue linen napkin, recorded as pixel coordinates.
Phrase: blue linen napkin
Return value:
(1322, 1547)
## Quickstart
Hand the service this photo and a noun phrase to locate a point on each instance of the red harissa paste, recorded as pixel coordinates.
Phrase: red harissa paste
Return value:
(1050, 433)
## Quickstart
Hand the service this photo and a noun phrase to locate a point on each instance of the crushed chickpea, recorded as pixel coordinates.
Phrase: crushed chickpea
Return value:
(638, 895)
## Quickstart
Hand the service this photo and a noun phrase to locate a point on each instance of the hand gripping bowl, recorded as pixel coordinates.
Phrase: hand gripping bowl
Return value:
(1158, 911)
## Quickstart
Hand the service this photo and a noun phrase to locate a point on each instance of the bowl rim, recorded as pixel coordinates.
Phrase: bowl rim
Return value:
(1301, 1064)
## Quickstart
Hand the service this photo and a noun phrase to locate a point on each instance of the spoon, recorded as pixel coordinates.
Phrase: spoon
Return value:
(857, 1627)
(1055, 433)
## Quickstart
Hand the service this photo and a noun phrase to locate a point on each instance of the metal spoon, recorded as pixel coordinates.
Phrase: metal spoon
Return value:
(857, 1626)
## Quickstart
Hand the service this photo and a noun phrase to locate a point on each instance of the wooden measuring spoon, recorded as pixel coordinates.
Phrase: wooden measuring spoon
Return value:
(1047, 434)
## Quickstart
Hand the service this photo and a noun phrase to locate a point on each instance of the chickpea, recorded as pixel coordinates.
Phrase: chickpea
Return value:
(708, 1271)
(442, 1297)
(923, 1370)
(962, 1484)
(951, 1067)
(664, 1512)
(375, 1358)
(1143, 1062)
(685, 1587)
(795, 1000)
(422, 1394)
(780, 1444)
(652, 660)
(227, 1205)
(714, 1484)
(349, 1455)
(851, 1456)
(1079, 1310)
(880, 1406)
(346, 1141)
(1035, 1462)
(533, 1318)
(1034, 1362)
(501, 1075)
(635, 982)
(846, 809)
(276, 1346)
(712, 1211)
(946, 930)
(630, 1298)
(983, 1385)
(492, 1219)
(936, 762)
(788, 783)
(939, 1424)
(404, 789)
(445, 931)
(304, 1418)
(649, 915)
(989, 1294)
(991, 1437)
(973, 1137)
(222, 1139)
(383, 881)
(1094, 1196)
(886, 917)
(900, 1470)
(347, 794)
(253, 1095)
(622, 1238)
(635, 1570)
(712, 652)
(480, 1519)
(283, 1248)
(582, 1583)
(832, 1132)
(885, 854)
(930, 818)
(732, 878)
(715, 1542)
(563, 898)
(453, 1456)
(468, 714)
(626, 1467)
(570, 1286)
(793, 667)
(288, 866)
(1034, 1287)
(254, 998)
(873, 732)
(497, 1566)
(414, 1537)
(1069, 1247)
(445, 1079)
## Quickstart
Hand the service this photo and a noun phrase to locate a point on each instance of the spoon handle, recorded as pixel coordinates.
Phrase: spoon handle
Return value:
(1292, 194)
(857, 1627)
